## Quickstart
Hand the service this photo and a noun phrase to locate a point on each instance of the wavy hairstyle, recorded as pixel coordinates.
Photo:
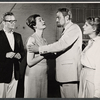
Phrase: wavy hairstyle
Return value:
(95, 22)
(31, 21)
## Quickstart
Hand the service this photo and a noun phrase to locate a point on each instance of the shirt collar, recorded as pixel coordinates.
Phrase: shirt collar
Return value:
(68, 25)
(96, 38)
(8, 32)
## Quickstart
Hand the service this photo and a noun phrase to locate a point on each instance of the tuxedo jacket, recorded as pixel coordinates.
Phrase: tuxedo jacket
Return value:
(68, 63)
(6, 64)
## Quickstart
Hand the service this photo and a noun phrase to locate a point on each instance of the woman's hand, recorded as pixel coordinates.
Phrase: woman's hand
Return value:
(33, 48)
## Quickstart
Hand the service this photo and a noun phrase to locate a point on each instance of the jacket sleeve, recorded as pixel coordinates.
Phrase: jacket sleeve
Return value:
(2, 55)
(2, 50)
(63, 43)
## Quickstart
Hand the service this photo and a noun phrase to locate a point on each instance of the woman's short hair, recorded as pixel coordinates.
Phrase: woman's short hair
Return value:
(95, 22)
(31, 21)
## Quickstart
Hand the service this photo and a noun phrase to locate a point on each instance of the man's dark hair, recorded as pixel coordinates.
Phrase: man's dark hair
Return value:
(65, 12)
(7, 14)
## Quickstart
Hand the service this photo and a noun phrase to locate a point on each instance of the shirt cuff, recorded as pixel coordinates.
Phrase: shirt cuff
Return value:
(41, 50)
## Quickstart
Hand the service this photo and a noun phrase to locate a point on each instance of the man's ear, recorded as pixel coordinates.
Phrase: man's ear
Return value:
(3, 22)
(67, 17)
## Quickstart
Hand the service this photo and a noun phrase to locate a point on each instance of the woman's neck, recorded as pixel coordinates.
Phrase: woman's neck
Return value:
(93, 35)
(39, 33)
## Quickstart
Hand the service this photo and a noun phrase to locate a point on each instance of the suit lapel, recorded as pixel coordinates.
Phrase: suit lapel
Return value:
(6, 40)
(67, 29)
(14, 40)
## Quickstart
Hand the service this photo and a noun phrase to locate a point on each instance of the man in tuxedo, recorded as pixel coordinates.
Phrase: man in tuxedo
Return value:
(68, 48)
(11, 54)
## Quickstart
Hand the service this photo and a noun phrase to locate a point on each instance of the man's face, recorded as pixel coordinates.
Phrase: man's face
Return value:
(60, 19)
(9, 22)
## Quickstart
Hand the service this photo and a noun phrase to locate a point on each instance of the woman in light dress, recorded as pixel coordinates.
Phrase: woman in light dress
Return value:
(90, 59)
(36, 71)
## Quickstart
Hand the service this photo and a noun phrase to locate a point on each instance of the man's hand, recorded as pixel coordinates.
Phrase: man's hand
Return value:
(17, 56)
(33, 48)
(10, 55)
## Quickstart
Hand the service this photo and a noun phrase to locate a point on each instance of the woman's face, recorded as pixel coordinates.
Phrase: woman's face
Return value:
(87, 28)
(40, 24)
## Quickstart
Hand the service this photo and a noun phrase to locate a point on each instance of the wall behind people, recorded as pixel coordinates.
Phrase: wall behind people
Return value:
(48, 12)
(23, 10)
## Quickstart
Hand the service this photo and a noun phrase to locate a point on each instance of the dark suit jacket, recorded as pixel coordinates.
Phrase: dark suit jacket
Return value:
(6, 64)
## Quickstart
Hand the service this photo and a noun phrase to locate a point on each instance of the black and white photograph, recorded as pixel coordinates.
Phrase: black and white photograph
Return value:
(49, 50)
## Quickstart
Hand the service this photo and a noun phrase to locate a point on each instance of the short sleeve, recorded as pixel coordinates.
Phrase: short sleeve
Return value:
(30, 41)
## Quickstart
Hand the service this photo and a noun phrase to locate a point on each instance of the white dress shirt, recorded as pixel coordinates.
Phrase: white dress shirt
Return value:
(11, 41)
(10, 38)
(91, 59)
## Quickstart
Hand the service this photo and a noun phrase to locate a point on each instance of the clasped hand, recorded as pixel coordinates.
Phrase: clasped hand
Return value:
(13, 55)
(17, 56)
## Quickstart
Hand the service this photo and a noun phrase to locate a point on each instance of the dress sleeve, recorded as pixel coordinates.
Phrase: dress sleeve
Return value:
(30, 41)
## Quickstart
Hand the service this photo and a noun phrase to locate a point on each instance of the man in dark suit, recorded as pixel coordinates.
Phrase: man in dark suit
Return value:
(11, 54)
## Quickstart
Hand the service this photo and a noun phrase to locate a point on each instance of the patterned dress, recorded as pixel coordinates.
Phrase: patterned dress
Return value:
(36, 76)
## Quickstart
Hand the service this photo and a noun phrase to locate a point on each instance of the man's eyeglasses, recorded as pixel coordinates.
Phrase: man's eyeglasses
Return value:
(11, 21)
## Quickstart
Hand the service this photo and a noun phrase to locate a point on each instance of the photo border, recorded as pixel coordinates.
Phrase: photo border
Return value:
(48, 1)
